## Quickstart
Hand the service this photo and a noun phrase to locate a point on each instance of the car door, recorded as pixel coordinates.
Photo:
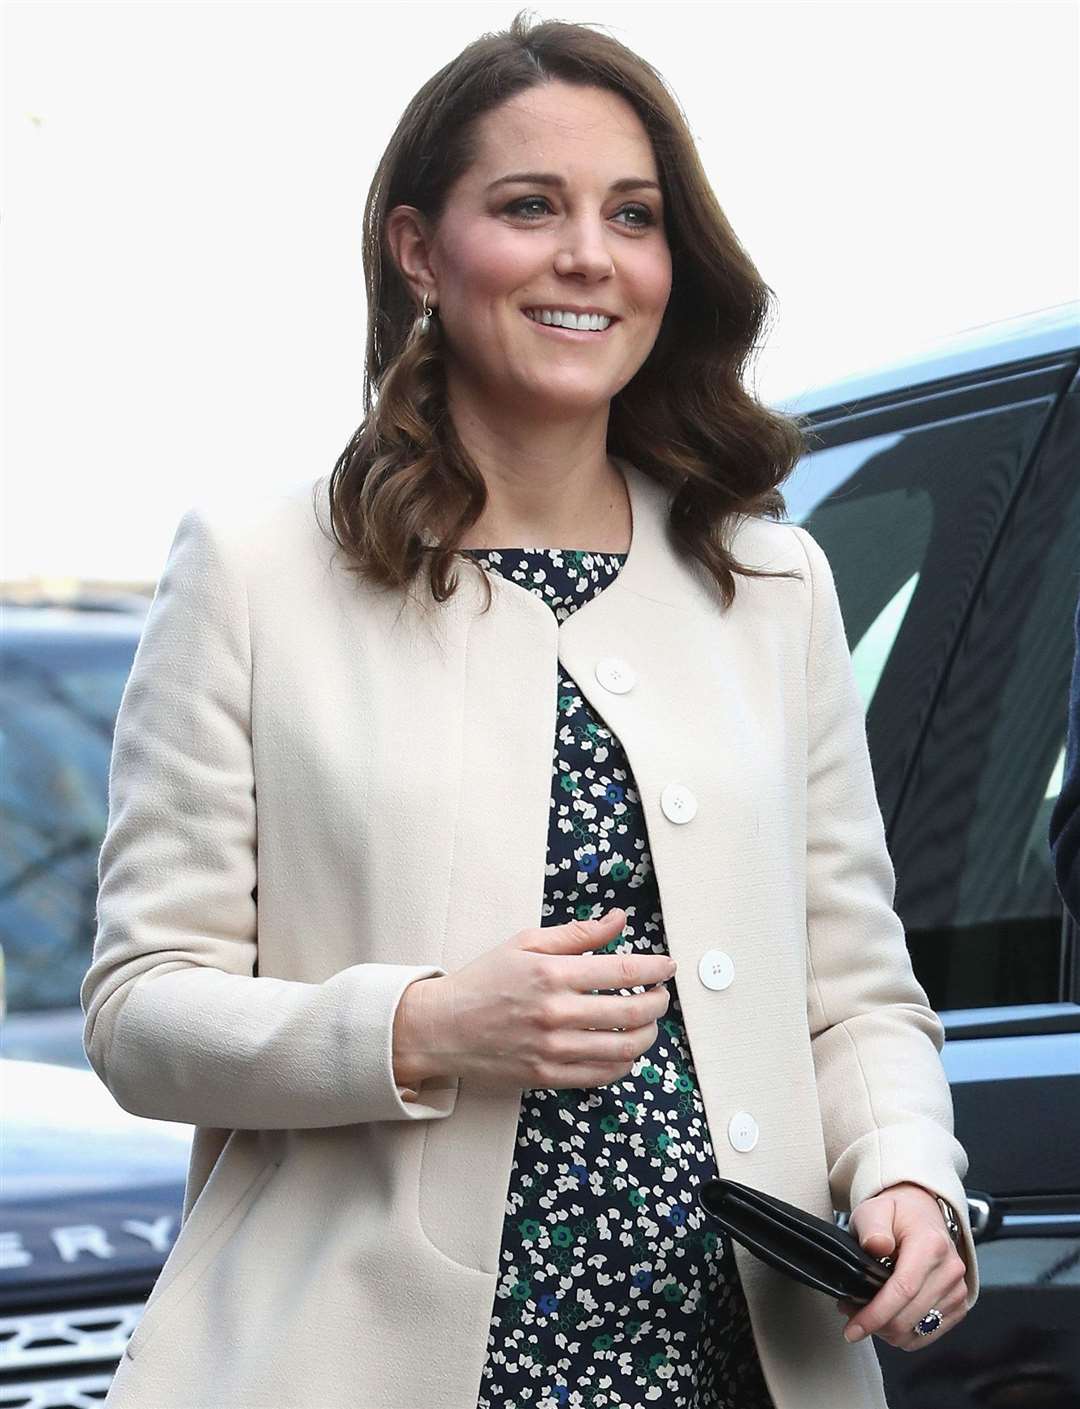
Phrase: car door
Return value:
(989, 937)
(951, 515)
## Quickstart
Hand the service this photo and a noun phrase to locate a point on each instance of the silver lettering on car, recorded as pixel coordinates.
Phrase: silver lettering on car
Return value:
(75, 1240)
(82, 1237)
(158, 1234)
(12, 1252)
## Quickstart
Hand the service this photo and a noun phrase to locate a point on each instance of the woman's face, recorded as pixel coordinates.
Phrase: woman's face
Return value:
(588, 236)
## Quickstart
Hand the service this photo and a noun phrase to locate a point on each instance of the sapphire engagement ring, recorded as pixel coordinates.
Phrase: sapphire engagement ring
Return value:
(929, 1323)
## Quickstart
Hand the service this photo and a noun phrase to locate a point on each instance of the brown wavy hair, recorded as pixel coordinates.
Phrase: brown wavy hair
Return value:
(684, 418)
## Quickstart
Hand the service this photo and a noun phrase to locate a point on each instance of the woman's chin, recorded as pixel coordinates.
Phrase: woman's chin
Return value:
(569, 398)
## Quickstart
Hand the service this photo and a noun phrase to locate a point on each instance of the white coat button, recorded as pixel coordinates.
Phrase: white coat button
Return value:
(742, 1131)
(715, 969)
(678, 803)
(615, 675)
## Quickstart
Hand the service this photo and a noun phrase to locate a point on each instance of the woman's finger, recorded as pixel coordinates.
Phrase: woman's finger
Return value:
(945, 1293)
(920, 1254)
(936, 1296)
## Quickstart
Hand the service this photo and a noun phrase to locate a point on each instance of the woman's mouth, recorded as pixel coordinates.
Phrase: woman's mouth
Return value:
(555, 330)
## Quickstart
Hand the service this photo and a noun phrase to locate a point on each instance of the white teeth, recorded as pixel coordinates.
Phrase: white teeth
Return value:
(559, 318)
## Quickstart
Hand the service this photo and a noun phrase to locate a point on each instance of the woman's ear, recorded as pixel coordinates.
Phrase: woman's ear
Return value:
(410, 239)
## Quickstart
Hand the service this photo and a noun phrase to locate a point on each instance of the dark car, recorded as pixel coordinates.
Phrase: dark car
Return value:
(946, 492)
(91, 1195)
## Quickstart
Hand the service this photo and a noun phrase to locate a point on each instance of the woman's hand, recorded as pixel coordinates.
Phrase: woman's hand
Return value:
(532, 1013)
(929, 1271)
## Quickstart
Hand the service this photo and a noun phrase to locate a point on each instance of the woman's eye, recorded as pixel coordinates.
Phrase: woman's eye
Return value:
(517, 207)
(643, 216)
(643, 213)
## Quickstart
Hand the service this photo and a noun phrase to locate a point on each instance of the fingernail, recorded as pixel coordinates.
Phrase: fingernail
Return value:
(854, 1333)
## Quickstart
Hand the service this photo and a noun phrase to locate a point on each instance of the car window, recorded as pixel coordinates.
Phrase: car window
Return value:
(1009, 871)
(871, 650)
(910, 505)
(58, 704)
(980, 895)
(908, 518)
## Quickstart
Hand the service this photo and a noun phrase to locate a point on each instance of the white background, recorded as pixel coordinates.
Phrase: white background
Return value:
(185, 183)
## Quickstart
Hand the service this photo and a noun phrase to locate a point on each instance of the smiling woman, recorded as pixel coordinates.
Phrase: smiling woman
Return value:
(395, 889)
(561, 261)
(548, 172)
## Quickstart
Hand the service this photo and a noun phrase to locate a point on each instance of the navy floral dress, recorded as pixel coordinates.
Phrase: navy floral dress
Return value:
(612, 1291)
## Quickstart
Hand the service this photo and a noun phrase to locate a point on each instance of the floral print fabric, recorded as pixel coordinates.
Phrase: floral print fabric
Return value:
(613, 1291)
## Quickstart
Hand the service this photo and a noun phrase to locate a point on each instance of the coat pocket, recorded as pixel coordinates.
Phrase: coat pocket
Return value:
(204, 1236)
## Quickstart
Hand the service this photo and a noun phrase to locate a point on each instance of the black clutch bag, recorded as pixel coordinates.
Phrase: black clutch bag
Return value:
(813, 1250)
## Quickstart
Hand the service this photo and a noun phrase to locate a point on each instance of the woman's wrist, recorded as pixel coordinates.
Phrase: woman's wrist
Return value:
(948, 1213)
(952, 1222)
(413, 1060)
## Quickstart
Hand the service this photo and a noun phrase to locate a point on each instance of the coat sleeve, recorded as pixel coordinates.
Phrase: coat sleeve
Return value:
(886, 1105)
(177, 1024)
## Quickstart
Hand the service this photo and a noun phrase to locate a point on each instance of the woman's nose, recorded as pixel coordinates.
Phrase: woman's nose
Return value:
(585, 250)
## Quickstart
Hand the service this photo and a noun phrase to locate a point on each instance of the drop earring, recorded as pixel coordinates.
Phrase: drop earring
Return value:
(425, 320)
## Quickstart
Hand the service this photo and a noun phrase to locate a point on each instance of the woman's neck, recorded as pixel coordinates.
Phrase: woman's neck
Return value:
(573, 515)
(550, 481)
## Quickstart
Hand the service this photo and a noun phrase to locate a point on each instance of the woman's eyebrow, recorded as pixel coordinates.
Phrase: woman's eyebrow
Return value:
(548, 178)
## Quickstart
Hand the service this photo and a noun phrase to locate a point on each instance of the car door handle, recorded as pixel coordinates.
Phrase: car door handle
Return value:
(983, 1214)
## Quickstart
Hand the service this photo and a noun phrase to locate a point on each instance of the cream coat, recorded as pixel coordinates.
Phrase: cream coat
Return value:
(294, 838)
